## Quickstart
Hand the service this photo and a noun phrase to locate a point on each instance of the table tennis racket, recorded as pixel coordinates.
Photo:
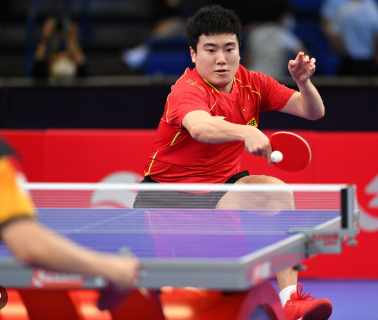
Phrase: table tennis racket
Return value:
(296, 153)
(111, 296)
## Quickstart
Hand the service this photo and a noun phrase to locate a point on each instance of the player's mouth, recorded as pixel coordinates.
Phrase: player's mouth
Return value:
(221, 72)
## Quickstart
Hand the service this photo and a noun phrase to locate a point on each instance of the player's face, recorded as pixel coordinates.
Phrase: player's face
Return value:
(217, 59)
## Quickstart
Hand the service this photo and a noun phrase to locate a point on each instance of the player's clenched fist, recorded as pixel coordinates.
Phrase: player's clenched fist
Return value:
(302, 68)
(257, 143)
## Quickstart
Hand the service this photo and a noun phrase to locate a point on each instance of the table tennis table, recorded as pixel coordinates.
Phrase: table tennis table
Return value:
(226, 254)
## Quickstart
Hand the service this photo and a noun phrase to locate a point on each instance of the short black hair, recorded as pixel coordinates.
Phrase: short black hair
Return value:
(212, 20)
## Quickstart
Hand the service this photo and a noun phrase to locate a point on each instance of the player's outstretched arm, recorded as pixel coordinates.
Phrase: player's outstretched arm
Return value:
(306, 103)
(32, 243)
(205, 128)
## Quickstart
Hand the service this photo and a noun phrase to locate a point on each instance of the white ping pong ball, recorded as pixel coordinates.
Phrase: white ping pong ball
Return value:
(276, 156)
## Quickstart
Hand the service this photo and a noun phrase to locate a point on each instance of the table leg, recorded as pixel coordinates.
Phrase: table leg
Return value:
(260, 302)
(206, 305)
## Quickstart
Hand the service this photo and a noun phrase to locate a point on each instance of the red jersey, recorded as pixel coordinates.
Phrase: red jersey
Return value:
(177, 157)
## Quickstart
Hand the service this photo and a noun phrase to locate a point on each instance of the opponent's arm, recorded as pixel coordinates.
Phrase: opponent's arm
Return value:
(205, 128)
(306, 103)
(32, 243)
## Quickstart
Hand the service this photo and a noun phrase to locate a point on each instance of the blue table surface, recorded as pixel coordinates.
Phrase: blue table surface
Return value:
(178, 233)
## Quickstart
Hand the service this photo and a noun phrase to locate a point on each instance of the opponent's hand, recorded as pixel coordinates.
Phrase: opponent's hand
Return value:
(123, 271)
(302, 68)
(257, 143)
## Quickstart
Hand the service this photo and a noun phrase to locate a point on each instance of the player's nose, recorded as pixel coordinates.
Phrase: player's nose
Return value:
(221, 59)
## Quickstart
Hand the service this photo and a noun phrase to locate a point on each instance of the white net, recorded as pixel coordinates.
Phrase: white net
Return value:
(186, 196)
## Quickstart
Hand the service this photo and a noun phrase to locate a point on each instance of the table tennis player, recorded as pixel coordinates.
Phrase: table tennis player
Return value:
(211, 117)
(30, 242)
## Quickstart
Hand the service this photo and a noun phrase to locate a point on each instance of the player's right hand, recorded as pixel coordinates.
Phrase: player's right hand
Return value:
(124, 271)
(257, 143)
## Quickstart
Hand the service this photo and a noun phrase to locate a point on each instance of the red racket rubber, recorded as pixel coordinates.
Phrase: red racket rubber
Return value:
(295, 150)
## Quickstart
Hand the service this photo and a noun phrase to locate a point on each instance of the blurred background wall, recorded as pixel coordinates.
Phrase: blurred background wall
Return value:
(110, 63)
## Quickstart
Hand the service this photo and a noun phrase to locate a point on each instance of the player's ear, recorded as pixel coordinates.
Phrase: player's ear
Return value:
(193, 55)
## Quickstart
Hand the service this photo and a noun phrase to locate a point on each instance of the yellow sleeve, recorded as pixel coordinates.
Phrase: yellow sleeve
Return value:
(14, 202)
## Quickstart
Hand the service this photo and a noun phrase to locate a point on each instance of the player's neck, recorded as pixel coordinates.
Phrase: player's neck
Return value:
(225, 89)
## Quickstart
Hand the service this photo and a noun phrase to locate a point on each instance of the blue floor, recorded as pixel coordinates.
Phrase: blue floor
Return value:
(352, 300)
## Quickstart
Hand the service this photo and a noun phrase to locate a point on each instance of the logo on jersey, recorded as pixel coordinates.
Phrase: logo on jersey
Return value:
(195, 83)
(253, 122)
(221, 117)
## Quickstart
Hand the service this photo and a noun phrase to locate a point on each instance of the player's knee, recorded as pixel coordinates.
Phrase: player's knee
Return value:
(260, 179)
(285, 199)
(282, 200)
(272, 180)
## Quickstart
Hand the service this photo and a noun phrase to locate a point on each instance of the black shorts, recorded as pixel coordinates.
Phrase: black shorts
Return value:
(181, 200)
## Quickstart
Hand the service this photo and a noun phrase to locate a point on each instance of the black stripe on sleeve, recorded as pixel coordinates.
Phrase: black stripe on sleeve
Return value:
(5, 149)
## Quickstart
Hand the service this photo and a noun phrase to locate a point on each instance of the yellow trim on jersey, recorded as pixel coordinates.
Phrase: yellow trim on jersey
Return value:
(182, 75)
(253, 91)
(210, 85)
(14, 202)
(149, 169)
(174, 139)
(213, 106)
(237, 79)
(166, 115)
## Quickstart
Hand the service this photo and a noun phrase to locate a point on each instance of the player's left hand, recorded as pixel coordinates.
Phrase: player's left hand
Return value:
(302, 68)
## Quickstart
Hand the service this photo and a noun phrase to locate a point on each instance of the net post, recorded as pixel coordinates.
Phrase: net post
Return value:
(344, 208)
(348, 205)
(349, 213)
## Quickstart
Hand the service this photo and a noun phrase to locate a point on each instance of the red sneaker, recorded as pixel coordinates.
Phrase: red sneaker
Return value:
(301, 307)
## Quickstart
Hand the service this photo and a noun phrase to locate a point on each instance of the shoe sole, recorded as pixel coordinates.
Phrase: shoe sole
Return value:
(320, 310)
